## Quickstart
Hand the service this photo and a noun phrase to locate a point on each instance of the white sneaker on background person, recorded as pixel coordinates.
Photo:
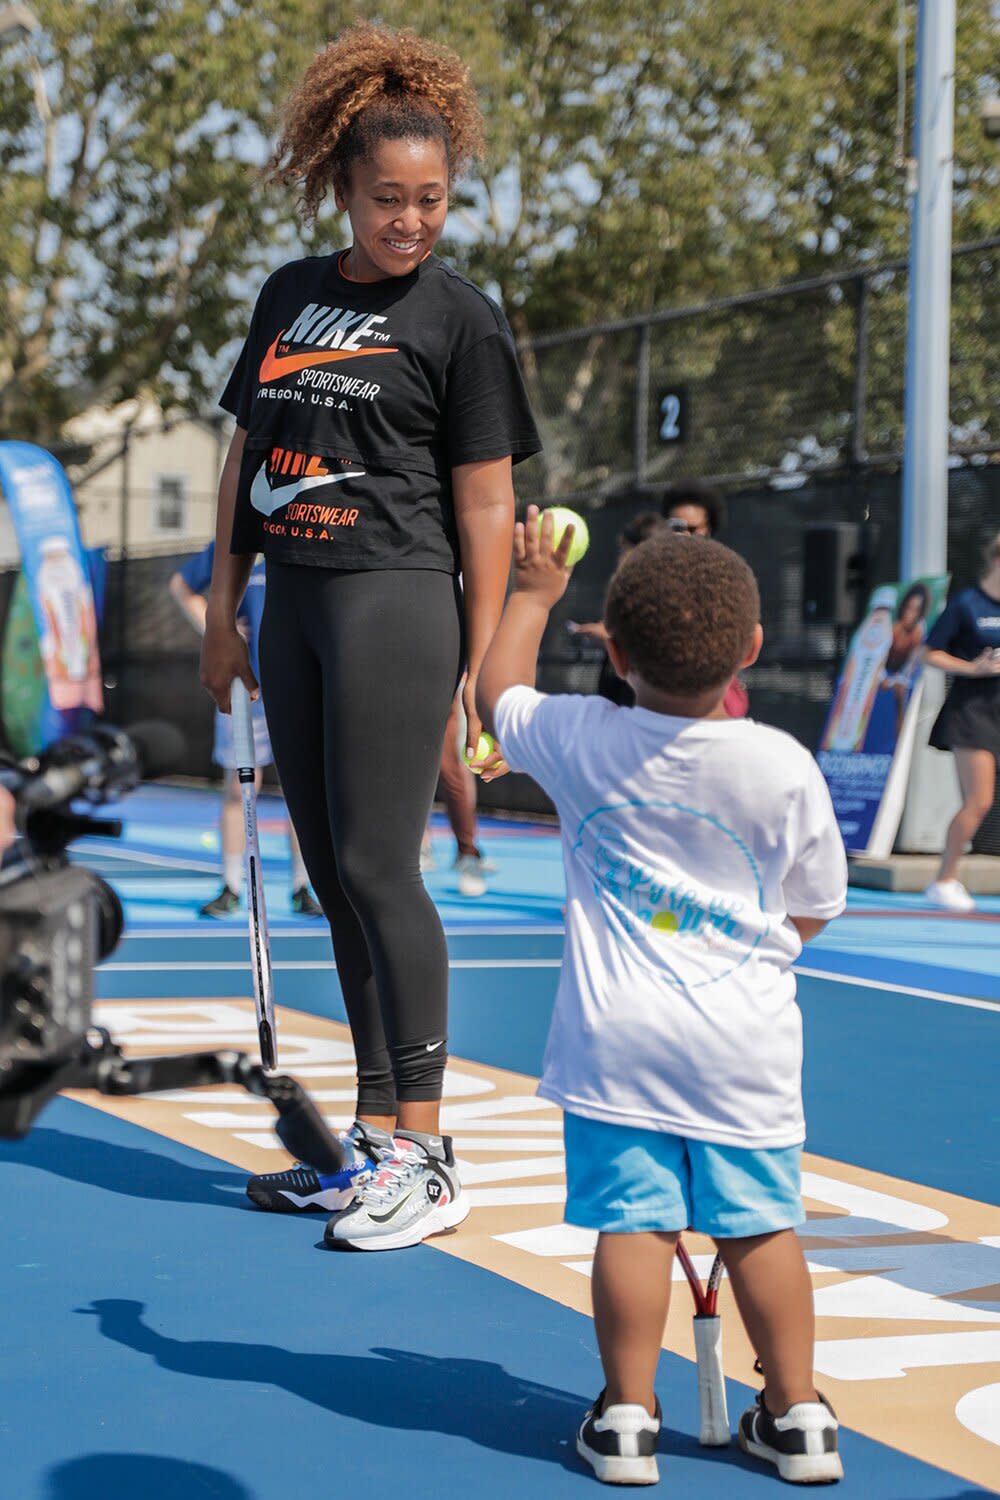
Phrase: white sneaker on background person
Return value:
(949, 894)
(471, 879)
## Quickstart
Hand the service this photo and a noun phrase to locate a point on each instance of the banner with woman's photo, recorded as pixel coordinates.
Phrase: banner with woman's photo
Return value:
(58, 590)
(867, 742)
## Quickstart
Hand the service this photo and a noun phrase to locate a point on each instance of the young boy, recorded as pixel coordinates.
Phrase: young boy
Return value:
(700, 853)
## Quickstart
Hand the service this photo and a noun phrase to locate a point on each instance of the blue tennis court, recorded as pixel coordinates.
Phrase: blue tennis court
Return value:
(165, 1339)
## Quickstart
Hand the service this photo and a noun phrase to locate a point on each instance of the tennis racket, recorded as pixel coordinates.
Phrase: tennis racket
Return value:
(714, 1431)
(260, 943)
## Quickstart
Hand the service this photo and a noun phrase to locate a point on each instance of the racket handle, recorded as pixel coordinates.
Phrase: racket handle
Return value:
(714, 1432)
(239, 702)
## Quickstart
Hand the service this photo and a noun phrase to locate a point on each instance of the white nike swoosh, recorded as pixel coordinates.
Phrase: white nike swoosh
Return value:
(433, 1046)
(267, 501)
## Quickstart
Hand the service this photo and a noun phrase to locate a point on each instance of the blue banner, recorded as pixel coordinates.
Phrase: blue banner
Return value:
(38, 493)
(867, 739)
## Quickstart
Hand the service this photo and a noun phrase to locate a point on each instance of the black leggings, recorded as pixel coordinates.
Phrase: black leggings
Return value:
(358, 671)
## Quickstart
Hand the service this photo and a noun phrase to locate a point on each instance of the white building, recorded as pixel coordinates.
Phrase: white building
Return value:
(149, 485)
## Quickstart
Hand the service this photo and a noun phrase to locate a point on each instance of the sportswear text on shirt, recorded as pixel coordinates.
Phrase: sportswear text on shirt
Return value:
(380, 388)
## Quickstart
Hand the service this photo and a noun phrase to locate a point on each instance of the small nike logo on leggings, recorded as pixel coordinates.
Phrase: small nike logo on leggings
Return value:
(433, 1046)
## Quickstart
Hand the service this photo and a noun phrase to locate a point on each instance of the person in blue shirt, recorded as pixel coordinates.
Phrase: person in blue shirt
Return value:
(965, 643)
(188, 587)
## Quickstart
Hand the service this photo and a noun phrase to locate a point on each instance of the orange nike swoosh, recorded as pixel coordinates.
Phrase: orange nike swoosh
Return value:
(274, 366)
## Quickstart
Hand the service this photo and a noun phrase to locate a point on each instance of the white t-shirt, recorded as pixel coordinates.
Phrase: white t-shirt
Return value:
(687, 844)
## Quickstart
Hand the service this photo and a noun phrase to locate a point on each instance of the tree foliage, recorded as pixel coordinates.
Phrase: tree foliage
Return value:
(641, 156)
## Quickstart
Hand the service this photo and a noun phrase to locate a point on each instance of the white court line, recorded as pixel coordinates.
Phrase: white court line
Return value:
(897, 989)
(223, 966)
(217, 966)
(321, 933)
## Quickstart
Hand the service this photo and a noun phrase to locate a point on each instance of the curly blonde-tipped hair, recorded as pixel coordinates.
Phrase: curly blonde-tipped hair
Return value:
(370, 85)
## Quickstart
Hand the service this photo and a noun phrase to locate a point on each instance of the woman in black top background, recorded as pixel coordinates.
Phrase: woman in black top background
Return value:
(965, 642)
(379, 409)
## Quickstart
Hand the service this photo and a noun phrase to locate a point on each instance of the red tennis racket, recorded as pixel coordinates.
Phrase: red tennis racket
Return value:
(714, 1430)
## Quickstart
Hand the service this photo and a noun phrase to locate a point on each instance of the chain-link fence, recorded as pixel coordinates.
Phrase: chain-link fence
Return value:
(791, 400)
(801, 380)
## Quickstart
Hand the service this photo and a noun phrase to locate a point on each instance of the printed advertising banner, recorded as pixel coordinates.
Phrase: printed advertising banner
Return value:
(57, 579)
(866, 746)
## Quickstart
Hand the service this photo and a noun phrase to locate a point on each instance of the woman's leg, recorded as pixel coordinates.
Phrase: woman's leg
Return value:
(292, 685)
(977, 779)
(390, 649)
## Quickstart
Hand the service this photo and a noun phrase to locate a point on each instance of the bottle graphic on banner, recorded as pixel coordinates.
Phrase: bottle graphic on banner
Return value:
(851, 712)
(66, 643)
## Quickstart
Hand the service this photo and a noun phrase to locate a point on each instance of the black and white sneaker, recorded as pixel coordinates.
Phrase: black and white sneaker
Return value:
(802, 1444)
(619, 1443)
(301, 1189)
(414, 1193)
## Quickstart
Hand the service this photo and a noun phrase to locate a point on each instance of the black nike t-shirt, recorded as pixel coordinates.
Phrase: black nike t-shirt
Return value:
(358, 399)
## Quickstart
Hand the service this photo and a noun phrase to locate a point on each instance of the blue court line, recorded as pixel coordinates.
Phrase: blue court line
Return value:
(168, 1338)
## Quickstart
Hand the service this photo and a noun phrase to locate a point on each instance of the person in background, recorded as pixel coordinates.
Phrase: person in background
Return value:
(188, 587)
(693, 507)
(690, 507)
(965, 642)
(458, 786)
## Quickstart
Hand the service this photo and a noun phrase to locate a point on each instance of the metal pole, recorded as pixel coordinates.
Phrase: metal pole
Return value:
(641, 412)
(931, 798)
(859, 401)
(924, 518)
(125, 495)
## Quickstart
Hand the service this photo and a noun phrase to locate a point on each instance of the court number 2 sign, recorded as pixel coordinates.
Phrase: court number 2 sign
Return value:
(672, 415)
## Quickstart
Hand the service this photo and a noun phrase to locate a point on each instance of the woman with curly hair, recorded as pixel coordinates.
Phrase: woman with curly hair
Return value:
(379, 410)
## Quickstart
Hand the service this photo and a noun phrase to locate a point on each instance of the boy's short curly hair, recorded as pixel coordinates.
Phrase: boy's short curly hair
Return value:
(370, 85)
(683, 609)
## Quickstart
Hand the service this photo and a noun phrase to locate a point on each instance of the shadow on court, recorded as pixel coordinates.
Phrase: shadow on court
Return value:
(124, 1476)
(128, 1170)
(391, 1388)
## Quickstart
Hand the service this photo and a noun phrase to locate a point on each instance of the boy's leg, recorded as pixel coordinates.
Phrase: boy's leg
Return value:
(774, 1295)
(631, 1292)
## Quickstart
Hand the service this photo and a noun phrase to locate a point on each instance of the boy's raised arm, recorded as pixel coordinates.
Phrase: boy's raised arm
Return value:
(540, 579)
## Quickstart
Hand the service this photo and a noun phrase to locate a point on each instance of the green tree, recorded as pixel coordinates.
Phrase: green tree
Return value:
(640, 157)
(132, 228)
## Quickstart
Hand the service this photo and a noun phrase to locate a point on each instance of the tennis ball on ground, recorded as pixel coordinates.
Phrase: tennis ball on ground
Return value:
(562, 517)
(485, 745)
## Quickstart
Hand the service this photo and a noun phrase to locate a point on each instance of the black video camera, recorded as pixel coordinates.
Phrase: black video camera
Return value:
(58, 920)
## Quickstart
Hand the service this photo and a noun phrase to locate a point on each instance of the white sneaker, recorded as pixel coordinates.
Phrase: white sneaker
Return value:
(951, 894)
(619, 1443)
(471, 880)
(414, 1193)
(427, 860)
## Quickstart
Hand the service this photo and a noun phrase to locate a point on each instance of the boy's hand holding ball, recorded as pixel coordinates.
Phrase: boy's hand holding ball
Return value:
(545, 549)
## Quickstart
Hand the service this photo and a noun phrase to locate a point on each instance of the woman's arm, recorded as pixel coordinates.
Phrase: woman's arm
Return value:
(985, 665)
(484, 514)
(224, 653)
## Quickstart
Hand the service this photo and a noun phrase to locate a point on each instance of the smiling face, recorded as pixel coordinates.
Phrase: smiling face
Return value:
(397, 202)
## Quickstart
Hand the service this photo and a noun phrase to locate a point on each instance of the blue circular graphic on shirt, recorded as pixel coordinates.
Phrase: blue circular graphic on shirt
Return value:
(702, 919)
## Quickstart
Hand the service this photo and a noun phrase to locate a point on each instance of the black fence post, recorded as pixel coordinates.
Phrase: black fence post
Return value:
(859, 435)
(640, 427)
(124, 496)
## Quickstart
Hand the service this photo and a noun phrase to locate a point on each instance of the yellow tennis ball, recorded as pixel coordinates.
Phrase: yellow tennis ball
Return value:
(562, 517)
(485, 745)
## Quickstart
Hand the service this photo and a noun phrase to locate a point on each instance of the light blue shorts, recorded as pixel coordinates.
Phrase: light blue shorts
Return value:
(624, 1180)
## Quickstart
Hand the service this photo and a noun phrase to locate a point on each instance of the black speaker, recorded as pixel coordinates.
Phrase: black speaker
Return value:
(836, 560)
